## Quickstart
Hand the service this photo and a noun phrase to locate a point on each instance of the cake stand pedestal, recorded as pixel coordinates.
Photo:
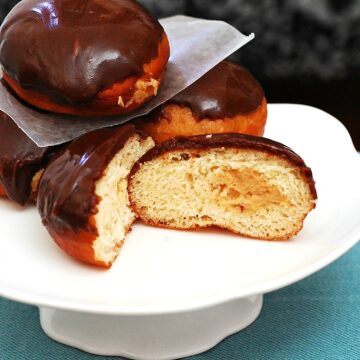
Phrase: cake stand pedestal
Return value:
(150, 337)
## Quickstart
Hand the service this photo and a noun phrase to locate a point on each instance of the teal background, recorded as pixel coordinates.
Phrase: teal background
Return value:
(316, 318)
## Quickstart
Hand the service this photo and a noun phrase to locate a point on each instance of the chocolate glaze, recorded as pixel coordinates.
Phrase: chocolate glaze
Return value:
(225, 91)
(20, 159)
(66, 194)
(72, 49)
(229, 140)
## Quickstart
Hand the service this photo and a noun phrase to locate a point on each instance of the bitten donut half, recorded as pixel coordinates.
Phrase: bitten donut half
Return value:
(21, 162)
(83, 58)
(226, 99)
(250, 185)
(82, 195)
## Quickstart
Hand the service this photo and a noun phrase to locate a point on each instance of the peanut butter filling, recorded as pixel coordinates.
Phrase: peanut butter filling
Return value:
(246, 190)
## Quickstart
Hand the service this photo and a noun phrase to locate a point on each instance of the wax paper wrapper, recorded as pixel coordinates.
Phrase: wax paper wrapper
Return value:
(197, 45)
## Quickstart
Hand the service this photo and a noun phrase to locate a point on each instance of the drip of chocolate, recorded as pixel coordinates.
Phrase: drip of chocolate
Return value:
(20, 160)
(67, 187)
(73, 49)
(225, 91)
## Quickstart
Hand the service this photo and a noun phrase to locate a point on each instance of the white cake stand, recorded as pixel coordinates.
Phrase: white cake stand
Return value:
(170, 293)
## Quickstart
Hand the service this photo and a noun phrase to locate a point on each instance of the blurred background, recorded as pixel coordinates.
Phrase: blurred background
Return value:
(305, 51)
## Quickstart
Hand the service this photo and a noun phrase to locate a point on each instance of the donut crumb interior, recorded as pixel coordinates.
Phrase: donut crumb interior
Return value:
(114, 217)
(249, 192)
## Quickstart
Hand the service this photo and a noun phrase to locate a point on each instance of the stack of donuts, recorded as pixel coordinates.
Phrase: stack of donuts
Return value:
(197, 160)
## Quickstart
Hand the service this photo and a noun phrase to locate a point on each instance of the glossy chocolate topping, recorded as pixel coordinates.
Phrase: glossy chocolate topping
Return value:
(20, 159)
(66, 194)
(225, 91)
(229, 140)
(72, 49)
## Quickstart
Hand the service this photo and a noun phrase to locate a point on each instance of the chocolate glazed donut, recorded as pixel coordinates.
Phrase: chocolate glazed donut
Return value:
(225, 91)
(86, 57)
(20, 160)
(250, 185)
(82, 197)
(226, 99)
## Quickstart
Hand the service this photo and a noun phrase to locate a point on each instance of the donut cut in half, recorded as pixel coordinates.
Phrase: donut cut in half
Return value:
(250, 185)
(82, 195)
